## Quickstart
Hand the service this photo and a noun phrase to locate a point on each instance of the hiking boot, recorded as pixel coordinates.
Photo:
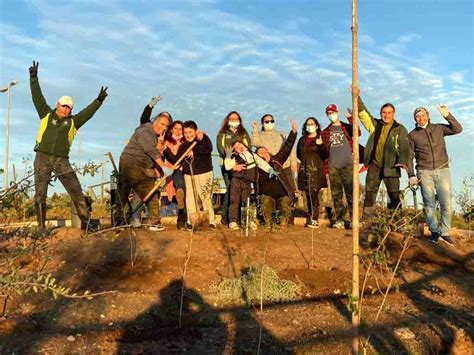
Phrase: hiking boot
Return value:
(434, 238)
(180, 198)
(312, 224)
(91, 227)
(447, 240)
(234, 226)
(339, 225)
(156, 227)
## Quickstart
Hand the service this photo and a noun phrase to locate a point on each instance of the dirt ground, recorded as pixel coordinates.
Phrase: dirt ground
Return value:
(429, 311)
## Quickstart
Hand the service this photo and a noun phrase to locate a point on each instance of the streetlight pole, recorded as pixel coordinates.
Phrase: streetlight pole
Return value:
(7, 89)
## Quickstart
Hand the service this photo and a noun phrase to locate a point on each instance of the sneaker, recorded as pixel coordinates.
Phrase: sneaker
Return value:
(213, 226)
(312, 224)
(234, 226)
(158, 227)
(447, 240)
(434, 238)
(188, 227)
(339, 225)
(135, 223)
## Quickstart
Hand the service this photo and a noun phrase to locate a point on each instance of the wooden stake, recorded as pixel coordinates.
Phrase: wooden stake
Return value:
(355, 185)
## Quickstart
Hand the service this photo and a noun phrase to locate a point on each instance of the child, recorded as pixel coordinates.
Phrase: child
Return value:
(197, 170)
(242, 163)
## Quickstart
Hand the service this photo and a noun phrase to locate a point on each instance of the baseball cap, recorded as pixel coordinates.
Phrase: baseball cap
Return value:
(331, 107)
(420, 109)
(66, 100)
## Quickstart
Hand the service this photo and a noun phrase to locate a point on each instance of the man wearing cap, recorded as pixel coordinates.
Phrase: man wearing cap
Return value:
(337, 137)
(386, 151)
(53, 143)
(428, 147)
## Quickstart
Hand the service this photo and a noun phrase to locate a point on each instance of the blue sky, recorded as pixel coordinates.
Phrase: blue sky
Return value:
(206, 58)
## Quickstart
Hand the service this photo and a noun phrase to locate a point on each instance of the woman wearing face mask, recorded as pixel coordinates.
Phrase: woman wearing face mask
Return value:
(175, 184)
(231, 130)
(312, 152)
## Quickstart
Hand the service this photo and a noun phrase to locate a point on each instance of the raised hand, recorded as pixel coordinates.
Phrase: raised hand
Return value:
(255, 126)
(199, 135)
(34, 70)
(348, 113)
(102, 94)
(154, 100)
(294, 126)
(319, 140)
(443, 110)
(228, 152)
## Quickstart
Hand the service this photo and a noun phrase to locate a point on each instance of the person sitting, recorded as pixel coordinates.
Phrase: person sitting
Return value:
(242, 164)
(274, 187)
(198, 174)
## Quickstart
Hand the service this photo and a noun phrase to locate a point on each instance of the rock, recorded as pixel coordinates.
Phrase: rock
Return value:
(295, 322)
(405, 333)
(102, 316)
(71, 338)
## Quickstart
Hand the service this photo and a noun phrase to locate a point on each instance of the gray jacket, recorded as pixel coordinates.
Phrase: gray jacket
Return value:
(141, 148)
(428, 147)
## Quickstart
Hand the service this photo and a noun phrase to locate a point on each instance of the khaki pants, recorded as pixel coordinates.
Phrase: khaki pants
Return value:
(203, 184)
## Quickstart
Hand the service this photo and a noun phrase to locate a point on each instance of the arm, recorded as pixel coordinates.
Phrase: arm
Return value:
(285, 150)
(146, 115)
(38, 99)
(366, 117)
(220, 144)
(203, 147)
(453, 127)
(262, 163)
(403, 147)
(87, 113)
(411, 152)
(229, 163)
(247, 140)
(323, 150)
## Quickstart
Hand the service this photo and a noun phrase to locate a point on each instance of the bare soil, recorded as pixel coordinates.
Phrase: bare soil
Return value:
(429, 309)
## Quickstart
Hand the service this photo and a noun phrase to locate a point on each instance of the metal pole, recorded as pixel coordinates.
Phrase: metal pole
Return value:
(355, 185)
(7, 138)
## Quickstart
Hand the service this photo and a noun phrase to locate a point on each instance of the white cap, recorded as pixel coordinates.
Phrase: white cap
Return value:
(66, 100)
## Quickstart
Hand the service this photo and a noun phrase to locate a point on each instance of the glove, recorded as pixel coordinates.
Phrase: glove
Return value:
(273, 173)
(228, 152)
(413, 181)
(34, 70)
(154, 100)
(102, 94)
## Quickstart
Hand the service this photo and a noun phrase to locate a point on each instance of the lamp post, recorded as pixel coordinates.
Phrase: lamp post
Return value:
(7, 130)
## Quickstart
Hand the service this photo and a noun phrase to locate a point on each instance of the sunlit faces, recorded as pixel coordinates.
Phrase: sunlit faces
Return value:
(63, 110)
(177, 131)
(422, 118)
(234, 120)
(263, 153)
(239, 147)
(311, 126)
(160, 125)
(189, 134)
(268, 123)
(388, 114)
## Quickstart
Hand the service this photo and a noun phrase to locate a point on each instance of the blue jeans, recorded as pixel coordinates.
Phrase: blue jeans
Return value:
(436, 185)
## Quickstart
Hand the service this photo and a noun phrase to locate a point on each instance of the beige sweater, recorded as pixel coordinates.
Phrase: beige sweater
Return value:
(273, 141)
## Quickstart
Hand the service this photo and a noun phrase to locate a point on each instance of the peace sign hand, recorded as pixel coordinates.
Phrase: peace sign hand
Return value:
(34, 70)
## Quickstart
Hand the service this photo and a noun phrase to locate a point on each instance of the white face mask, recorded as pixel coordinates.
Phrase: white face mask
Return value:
(234, 124)
(268, 126)
(333, 117)
(311, 129)
(177, 138)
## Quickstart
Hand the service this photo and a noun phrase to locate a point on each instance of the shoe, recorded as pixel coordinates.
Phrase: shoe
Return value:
(434, 238)
(447, 240)
(312, 224)
(234, 226)
(135, 222)
(213, 226)
(91, 227)
(158, 227)
(188, 227)
(339, 225)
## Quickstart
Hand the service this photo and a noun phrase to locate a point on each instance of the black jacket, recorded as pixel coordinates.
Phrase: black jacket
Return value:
(202, 161)
(311, 172)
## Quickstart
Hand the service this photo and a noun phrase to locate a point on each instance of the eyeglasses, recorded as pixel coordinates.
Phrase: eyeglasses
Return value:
(269, 121)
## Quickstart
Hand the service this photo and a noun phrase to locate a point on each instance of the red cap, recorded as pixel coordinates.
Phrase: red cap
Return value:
(332, 108)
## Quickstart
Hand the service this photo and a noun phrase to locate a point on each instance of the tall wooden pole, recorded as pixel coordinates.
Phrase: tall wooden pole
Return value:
(355, 185)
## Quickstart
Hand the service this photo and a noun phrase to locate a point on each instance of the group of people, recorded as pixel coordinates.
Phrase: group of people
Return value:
(271, 164)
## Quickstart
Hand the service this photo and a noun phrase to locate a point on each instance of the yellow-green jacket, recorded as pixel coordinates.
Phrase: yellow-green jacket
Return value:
(396, 149)
(55, 135)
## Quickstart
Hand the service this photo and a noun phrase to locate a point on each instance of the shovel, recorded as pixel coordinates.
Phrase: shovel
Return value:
(161, 182)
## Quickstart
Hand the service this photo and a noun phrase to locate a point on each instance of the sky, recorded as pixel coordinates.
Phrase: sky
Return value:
(206, 58)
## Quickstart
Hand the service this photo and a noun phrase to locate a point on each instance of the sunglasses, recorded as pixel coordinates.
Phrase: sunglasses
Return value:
(269, 121)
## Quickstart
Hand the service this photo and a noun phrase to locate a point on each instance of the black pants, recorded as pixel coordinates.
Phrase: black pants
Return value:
(44, 166)
(240, 191)
(372, 183)
(142, 181)
(226, 199)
